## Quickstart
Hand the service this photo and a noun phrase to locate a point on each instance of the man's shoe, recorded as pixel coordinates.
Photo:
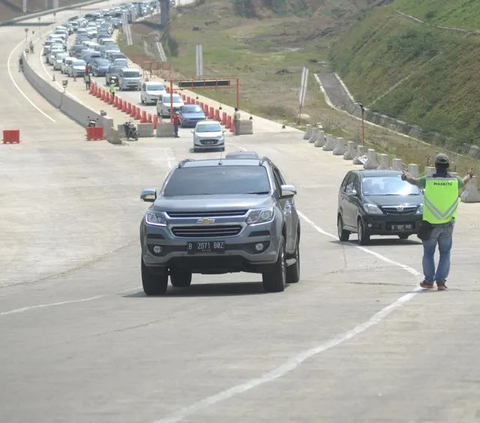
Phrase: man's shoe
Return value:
(442, 287)
(426, 285)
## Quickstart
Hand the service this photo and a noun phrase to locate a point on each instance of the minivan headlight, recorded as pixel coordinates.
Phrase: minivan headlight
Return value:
(260, 216)
(155, 219)
(371, 209)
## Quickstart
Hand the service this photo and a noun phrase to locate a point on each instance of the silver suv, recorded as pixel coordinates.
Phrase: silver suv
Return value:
(219, 216)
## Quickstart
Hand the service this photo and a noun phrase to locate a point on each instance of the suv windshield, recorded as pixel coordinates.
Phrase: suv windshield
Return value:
(218, 180)
(211, 127)
(388, 185)
(191, 108)
(175, 99)
(156, 87)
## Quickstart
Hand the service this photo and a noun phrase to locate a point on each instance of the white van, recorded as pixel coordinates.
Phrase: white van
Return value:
(129, 79)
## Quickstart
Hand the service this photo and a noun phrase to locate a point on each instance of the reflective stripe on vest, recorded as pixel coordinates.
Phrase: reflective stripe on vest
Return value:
(441, 200)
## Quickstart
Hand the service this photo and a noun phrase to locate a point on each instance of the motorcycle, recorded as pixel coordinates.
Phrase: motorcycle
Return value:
(92, 122)
(130, 131)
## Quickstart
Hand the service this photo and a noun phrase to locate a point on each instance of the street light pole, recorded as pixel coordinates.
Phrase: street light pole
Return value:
(363, 122)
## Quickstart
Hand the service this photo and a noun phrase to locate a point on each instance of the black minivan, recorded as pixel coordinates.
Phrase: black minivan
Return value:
(378, 202)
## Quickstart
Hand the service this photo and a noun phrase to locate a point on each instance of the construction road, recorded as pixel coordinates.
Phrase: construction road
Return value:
(354, 341)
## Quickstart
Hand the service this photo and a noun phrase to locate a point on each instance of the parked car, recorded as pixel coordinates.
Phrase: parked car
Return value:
(57, 63)
(190, 115)
(77, 68)
(165, 102)
(220, 216)
(129, 79)
(66, 62)
(151, 92)
(208, 135)
(377, 202)
(100, 66)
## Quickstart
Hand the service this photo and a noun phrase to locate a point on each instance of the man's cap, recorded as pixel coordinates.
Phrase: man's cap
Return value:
(442, 159)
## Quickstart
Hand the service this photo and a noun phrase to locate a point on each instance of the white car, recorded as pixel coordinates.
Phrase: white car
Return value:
(208, 135)
(166, 101)
(57, 63)
(77, 68)
(66, 62)
(53, 54)
(151, 92)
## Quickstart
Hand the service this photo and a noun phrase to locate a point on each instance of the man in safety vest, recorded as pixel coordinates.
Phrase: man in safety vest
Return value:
(113, 89)
(439, 212)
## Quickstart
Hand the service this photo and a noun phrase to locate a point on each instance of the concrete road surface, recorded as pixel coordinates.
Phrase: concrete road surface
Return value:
(354, 341)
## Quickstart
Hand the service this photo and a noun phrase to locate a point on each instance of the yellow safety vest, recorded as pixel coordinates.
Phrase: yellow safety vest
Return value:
(440, 201)
(113, 89)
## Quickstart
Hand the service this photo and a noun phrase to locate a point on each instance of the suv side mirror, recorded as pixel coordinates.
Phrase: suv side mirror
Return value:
(149, 195)
(287, 191)
(352, 192)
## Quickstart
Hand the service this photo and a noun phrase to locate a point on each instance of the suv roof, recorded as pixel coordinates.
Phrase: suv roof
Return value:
(221, 162)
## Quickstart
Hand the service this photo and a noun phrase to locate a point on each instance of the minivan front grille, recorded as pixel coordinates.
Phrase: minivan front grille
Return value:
(399, 210)
(209, 213)
(211, 231)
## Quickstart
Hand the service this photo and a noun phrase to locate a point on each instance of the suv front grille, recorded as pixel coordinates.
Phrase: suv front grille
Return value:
(213, 213)
(399, 210)
(210, 231)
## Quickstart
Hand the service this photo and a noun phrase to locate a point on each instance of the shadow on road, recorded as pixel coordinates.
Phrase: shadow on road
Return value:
(211, 290)
(386, 242)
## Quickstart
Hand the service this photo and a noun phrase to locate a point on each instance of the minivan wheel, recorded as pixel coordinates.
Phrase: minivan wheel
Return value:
(275, 280)
(154, 281)
(363, 236)
(343, 235)
(180, 278)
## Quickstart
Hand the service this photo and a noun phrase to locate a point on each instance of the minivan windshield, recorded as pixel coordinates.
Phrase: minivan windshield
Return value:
(388, 185)
(218, 180)
(131, 74)
(209, 127)
(155, 87)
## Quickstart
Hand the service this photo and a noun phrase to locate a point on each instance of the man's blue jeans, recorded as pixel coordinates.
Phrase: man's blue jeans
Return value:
(443, 236)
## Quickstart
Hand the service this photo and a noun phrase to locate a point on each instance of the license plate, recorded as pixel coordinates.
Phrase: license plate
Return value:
(402, 227)
(206, 247)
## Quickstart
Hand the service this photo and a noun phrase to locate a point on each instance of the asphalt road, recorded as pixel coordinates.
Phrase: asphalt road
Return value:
(354, 341)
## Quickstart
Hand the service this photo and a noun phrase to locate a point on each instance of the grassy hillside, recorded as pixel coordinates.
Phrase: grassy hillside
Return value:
(452, 13)
(439, 68)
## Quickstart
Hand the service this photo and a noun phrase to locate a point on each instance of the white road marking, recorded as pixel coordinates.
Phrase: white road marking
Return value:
(59, 303)
(295, 361)
(18, 88)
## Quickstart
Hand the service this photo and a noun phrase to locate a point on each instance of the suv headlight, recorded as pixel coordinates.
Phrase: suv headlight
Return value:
(260, 216)
(372, 209)
(155, 219)
(420, 209)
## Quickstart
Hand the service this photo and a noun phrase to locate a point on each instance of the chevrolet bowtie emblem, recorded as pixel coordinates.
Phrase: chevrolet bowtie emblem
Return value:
(205, 221)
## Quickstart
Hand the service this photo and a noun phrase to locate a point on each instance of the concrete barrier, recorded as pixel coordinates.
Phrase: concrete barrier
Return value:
(321, 139)
(397, 164)
(360, 158)
(165, 130)
(308, 133)
(330, 143)
(383, 165)
(313, 135)
(114, 137)
(413, 170)
(49, 92)
(371, 162)
(350, 153)
(145, 130)
(471, 194)
(429, 171)
(245, 127)
(340, 148)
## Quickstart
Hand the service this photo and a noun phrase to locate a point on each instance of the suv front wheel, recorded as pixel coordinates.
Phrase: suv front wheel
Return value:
(180, 278)
(154, 282)
(275, 280)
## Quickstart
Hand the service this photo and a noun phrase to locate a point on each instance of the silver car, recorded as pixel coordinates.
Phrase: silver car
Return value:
(219, 216)
(208, 135)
